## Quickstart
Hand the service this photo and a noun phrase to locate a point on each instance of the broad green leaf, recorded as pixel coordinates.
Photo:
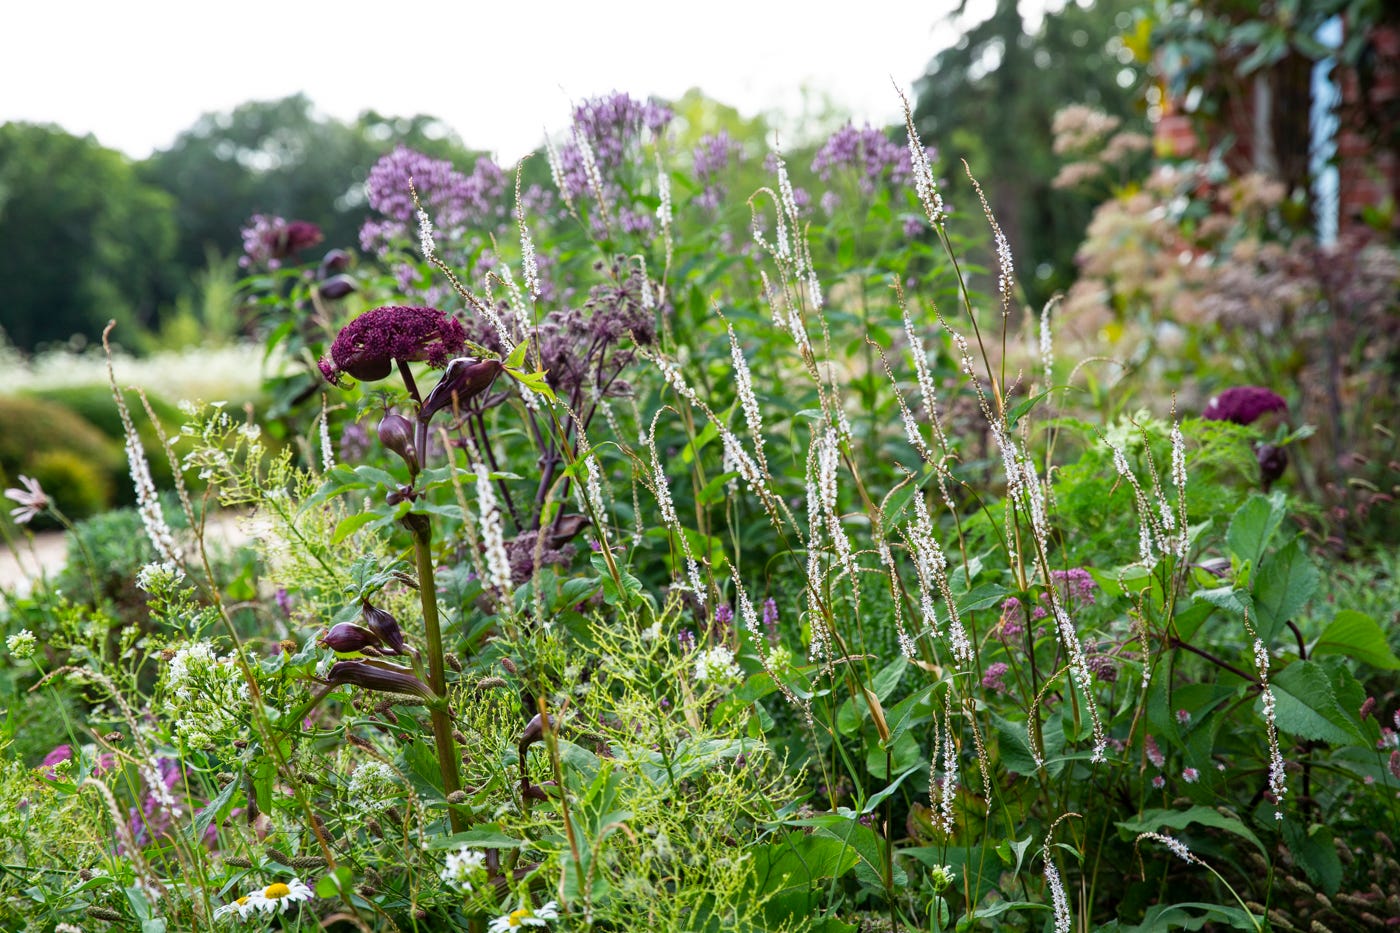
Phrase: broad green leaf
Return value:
(1306, 707)
(1356, 635)
(1252, 525)
(878, 798)
(349, 525)
(852, 713)
(215, 809)
(1152, 821)
(1315, 849)
(486, 836)
(1284, 583)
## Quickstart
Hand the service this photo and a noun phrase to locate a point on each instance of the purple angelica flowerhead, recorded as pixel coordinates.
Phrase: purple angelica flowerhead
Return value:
(268, 239)
(367, 347)
(1244, 405)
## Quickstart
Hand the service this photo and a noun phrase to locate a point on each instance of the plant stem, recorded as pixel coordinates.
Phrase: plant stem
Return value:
(437, 678)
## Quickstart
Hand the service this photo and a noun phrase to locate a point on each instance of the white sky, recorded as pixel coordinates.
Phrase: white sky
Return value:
(135, 73)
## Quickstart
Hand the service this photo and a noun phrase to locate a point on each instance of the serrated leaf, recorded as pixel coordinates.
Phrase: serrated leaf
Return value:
(1252, 525)
(1152, 821)
(1356, 635)
(1314, 848)
(1284, 583)
(1306, 707)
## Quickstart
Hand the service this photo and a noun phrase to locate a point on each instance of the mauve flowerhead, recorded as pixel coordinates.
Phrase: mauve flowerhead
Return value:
(268, 239)
(1244, 405)
(367, 347)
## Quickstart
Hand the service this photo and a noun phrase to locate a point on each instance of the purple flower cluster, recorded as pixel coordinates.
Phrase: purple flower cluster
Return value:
(613, 124)
(1075, 583)
(711, 158)
(868, 152)
(1244, 405)
(269, 239)
(992, 679)
(367, 347)
(455, 202)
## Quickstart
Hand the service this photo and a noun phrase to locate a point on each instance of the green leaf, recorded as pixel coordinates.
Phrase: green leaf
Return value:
(487, 836)
(338, 882)
(1306, 707)
(879, 797)
(351, 524)
(1316, 850)
(217, 807)
(1284, 583)
(1356, 635)
(1252, 525)
(517, 356)
(852, 712)
(1152, 821)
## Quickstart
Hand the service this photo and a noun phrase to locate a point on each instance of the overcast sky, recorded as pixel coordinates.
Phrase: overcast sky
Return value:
(135, 73)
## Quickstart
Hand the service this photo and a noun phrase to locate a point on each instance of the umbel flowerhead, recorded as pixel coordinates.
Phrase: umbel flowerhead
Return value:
(367, 348)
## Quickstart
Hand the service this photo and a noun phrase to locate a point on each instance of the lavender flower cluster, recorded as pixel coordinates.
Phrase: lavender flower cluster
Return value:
(608, 136)
(711, 159)
(269, 239)
(455, 202)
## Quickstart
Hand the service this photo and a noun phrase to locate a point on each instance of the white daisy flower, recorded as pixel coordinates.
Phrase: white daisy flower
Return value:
(525, 917)
(243, 907)
(278, 896)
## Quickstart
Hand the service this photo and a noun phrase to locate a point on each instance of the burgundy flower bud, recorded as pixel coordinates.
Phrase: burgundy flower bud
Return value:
(335, 260)
(534, 731)
(465, 378)
(378, 675)
(1273, 460)
(396, 433)
(384, 625)
(337, 287)
(347, 636)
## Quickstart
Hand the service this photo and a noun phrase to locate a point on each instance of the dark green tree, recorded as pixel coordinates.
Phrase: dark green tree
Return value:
(82, 238)
(281, 157)
(990, 100)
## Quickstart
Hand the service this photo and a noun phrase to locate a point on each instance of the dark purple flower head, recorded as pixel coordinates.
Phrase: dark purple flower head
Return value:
(367, 347)
(268, 239)
(1244, 405)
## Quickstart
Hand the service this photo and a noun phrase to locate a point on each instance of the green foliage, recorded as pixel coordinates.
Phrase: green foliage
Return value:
(73, 452)
(82, 238)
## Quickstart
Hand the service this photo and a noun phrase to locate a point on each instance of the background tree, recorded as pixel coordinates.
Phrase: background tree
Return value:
(990, 100)
(281, 157)
(82, 238)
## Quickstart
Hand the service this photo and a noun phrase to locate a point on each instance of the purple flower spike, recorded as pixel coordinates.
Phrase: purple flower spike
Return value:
(1244, 405)
(367, 347)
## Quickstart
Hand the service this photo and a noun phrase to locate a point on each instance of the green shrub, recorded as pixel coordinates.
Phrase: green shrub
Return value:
(80, 488)
(35, 430)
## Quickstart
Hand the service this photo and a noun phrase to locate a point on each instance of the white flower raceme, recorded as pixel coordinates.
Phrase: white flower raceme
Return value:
(525, 917)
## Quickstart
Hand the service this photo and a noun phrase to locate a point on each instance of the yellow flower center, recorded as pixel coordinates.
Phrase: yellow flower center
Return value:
(242, 900)
(276, 891)
(517, 915)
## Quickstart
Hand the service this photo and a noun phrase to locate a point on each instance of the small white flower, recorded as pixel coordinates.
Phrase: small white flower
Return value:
(32, 500)
(525, 917)
(278, 896)
(23, 643)
(717, 666)
(463, 866)
(243, 907)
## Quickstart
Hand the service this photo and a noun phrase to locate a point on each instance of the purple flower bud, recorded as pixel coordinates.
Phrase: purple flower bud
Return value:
(396, 433)
(385, 626)
(465, 378)
(377, 675)
(534, 731)
(1273, 460)
(337, 287)
(335, 261)
(347, 636)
